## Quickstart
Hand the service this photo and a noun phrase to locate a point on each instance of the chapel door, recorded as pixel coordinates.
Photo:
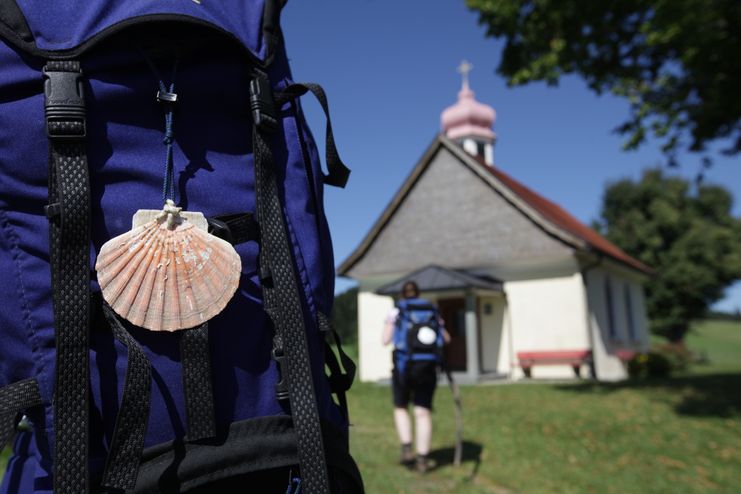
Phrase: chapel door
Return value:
(453, 311)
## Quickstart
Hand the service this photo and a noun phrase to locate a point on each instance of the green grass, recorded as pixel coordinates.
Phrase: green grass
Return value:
(540, 438)
(720, 341)
(679, 435)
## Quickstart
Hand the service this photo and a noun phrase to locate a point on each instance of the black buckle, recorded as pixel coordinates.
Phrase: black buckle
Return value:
(262, 103)
(281, 387)
(53, 210)
(64, 104)
(220, 229)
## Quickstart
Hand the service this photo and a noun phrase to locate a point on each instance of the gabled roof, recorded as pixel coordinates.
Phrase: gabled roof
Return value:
(548, 215)
(437, 278)
(563, 219)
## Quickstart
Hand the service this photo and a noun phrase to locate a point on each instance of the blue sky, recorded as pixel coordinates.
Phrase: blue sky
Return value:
(389, 69)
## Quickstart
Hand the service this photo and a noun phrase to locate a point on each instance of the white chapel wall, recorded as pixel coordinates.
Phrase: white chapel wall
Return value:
(548, 313)
(495, 334)
(374, 358)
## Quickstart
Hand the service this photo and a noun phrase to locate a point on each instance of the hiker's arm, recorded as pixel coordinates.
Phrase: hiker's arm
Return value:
(388, 327)
(446, 335)
(388, 331)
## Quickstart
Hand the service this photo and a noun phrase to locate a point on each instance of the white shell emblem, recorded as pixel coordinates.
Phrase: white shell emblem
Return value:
(426, 335)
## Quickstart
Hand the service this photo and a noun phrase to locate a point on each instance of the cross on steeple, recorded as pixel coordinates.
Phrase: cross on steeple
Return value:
(464, 68)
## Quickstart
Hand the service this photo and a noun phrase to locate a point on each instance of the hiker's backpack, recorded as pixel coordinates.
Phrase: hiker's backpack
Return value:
(94, 98)
(418, 334)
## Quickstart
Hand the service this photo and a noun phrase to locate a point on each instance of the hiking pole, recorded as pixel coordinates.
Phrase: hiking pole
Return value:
(458, 455)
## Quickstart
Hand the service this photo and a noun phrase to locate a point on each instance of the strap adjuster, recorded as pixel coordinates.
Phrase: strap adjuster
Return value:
(64, 104)
(219, 228)
(262, 103)
(235, 228)
(53, 210)
(281, 387)
(167, 97)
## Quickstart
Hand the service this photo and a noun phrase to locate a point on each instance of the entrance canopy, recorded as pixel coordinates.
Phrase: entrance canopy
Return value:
(436, 278)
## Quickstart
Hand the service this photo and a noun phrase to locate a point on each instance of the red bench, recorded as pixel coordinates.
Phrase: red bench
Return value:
(624, 354)
(574, 358)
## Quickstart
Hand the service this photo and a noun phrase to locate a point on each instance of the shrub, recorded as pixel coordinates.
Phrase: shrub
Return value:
(652, 364)
(658, 365)
(637, 366)
(678, 355)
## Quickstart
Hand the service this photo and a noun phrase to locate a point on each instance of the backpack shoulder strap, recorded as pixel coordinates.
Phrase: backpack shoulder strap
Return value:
(69, 236)
(281, 293)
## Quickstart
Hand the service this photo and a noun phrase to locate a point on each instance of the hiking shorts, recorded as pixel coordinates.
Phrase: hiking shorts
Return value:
(418, 386)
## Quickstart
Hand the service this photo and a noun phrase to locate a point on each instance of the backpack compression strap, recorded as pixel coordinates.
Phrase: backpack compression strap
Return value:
(338, 173)
(69, 235)
(127, 444)
(195, 354)
(281, 296)
(339, 382)
(14, 399)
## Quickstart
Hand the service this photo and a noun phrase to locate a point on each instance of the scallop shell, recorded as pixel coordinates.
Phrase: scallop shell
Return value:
(168, 275)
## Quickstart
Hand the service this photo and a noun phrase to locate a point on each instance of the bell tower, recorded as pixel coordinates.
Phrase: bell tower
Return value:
(469, 122)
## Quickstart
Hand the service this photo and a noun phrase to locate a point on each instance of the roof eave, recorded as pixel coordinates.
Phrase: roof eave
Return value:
(355, 256)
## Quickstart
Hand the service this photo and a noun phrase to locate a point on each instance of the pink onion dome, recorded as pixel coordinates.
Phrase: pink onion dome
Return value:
(468, 117)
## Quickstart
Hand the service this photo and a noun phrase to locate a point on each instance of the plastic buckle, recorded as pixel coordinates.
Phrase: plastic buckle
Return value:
(220, 229)
(281, 387)
(262, 103)
(64, 102)
(53, 211)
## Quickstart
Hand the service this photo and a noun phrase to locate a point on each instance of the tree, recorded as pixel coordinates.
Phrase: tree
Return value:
(688, 236)
(345, 315)
(676, 61)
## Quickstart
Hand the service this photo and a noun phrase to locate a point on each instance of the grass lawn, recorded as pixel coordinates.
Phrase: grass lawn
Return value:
(680, 435)
(720, 341)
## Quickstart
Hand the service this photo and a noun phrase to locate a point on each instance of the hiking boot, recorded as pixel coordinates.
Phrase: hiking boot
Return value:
(407, 457)
(422, 464)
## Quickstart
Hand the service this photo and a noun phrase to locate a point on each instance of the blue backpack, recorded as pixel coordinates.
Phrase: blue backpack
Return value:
(94, 96)
(418, 334)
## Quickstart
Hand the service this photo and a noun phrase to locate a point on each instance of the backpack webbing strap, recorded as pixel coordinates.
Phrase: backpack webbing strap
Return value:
(199, 395)
(338, 173)
(339, 382)
(69, 236)
(127, 444)
(14, 399)
(281, 293)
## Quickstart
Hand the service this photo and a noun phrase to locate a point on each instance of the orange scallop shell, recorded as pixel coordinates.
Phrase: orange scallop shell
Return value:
(167, 278)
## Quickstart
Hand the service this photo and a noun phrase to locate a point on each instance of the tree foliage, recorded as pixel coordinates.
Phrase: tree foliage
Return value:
(688, 236)
(345, 315)
(676, 61)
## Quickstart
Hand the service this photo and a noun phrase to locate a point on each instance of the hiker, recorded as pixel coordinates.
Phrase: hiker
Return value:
(418, 334)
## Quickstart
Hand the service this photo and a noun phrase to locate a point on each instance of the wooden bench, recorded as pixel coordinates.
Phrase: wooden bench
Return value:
(625, 354)
(574, 358)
